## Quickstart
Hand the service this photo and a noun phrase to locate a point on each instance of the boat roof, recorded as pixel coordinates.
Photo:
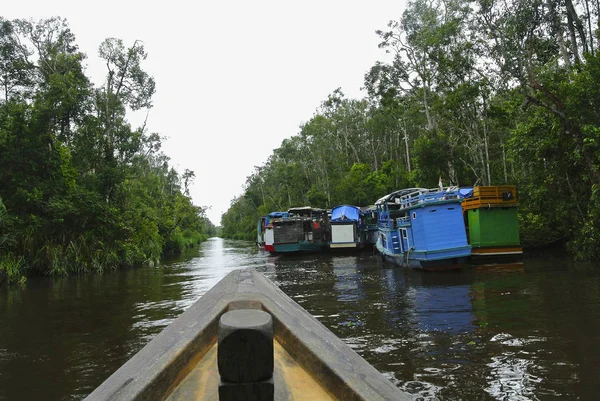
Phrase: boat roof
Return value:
(278, 214)
(306, 210)
(302, 208)
(345, 212)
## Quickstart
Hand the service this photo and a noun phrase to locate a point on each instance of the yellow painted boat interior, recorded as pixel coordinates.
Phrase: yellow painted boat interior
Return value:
(291, 381)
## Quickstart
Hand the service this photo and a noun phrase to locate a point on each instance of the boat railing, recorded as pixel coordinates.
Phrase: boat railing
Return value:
(403, 221)
(491, 196)
(428, 195)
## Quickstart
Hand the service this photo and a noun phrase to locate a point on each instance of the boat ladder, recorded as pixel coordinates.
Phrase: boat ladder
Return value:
(396, 241)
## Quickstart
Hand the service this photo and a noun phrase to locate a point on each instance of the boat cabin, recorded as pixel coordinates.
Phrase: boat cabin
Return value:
(491, 219)
(267, 227)
(422, 228)
(305, 229)
(346, 227)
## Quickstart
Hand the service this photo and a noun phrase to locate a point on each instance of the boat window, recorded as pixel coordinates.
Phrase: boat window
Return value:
(414, 215)
(404, 234)
(433, 210)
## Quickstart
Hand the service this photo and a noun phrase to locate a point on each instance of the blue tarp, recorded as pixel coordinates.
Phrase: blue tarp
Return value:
(274, 215)
(345, 212)
(465, 192)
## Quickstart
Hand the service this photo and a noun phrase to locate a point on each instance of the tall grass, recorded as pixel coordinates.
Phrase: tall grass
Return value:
(12, 270)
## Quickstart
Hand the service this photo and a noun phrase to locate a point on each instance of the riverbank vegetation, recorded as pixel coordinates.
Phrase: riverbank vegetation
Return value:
(476, 92)
(81, 189)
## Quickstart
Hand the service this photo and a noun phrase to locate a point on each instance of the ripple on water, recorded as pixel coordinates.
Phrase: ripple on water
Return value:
(507, 339)
(384, 349)
(423, 390)
(511, 378)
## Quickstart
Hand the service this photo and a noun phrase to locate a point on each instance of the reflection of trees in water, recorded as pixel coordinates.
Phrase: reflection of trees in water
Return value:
(477, 333)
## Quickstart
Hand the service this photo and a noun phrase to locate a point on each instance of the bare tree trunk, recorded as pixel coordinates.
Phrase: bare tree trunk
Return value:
(504, 163)
(374, 151)
(407, 153)
(398, 140)
(262, 191)
(590, 32)
(559, 34)
(452, 173)
(487, 154)
(350, 145)
(574, 198)
(576, 22)
(426, 91)
(327, 187)
(571, 26)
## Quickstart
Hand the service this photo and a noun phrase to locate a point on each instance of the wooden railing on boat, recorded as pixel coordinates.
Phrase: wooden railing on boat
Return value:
(311, 363)
(491, 196)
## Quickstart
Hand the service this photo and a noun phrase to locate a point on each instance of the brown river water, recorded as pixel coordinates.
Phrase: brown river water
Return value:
(528, 331)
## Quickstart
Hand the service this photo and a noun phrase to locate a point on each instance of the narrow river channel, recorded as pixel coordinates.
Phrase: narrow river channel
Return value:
(528, 331)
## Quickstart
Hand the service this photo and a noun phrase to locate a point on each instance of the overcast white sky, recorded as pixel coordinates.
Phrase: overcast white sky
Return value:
(233, 78)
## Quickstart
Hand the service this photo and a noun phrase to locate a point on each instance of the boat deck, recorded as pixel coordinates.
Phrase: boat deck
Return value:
(291, 381)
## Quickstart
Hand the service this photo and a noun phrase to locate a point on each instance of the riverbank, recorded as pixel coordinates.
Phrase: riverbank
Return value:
(15, 270)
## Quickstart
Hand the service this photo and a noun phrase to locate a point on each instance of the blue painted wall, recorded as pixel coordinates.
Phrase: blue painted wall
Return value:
(438, 227)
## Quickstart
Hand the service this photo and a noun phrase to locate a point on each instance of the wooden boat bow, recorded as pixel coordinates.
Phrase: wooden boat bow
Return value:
(180, 362)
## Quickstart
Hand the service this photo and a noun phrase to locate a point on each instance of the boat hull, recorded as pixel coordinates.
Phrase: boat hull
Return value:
(310, 361)
(446, 259)
(344, 245)
(300, 246)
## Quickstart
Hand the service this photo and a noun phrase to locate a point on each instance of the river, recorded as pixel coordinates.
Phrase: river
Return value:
(527, 331)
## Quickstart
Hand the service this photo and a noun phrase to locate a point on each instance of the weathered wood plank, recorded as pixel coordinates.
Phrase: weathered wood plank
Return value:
(157, 370)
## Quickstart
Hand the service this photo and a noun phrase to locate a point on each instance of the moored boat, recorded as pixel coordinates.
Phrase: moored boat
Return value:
(346, 228)
(305, 229)
(422, 228)
(265, 229)
(370, 228)
(260, 231)
(188, 359)
(490, 214)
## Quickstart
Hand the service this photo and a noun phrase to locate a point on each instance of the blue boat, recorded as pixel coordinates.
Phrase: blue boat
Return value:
(305, 229)
(422, 228)
(346, 228)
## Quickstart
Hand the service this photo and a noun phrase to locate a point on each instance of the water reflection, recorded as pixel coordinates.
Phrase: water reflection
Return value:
(442, 302)
(347, 283)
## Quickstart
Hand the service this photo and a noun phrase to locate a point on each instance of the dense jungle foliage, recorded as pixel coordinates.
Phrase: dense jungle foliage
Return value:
(481, 92)
(80, 189)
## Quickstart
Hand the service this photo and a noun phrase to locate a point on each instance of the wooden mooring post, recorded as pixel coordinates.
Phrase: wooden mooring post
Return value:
(245, 356)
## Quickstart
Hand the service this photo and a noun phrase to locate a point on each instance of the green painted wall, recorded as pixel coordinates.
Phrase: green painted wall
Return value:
(493, 227)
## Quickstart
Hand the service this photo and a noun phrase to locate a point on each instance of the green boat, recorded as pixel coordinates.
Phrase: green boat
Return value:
(491, 221)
